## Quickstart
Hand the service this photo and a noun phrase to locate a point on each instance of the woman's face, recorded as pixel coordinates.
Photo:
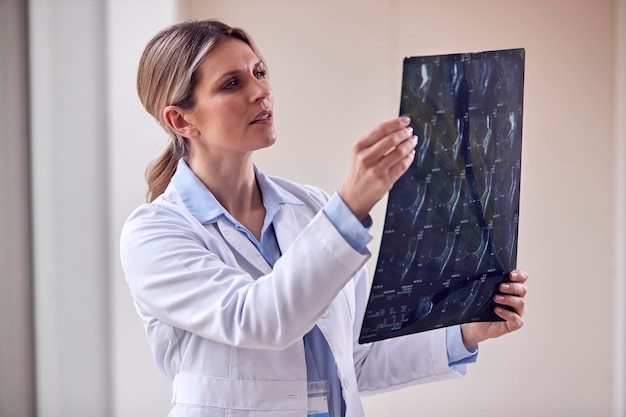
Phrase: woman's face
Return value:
(234, 102)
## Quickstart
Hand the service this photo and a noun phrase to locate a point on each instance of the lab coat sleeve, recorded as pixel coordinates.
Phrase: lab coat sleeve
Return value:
(176, 274)
(397, 362)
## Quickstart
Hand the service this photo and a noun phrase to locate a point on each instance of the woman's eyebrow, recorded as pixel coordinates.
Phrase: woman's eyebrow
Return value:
(238, 71)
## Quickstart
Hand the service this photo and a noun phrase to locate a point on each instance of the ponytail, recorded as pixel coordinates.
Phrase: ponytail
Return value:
(161, 170)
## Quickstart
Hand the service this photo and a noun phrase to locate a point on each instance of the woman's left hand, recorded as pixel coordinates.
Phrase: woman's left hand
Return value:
(512, 295)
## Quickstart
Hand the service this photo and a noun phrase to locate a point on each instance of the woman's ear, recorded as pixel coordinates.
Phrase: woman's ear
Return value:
(176, 119)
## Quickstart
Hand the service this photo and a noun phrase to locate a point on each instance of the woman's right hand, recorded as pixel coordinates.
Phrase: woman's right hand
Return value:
(378, 160)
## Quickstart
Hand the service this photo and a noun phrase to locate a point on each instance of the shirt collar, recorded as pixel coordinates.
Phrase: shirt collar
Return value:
(203, 205)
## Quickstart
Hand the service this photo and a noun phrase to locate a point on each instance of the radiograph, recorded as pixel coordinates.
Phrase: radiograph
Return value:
(451, 225)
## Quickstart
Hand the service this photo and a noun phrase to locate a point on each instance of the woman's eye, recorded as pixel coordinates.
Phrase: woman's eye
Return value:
(260, 74)
(231, 84)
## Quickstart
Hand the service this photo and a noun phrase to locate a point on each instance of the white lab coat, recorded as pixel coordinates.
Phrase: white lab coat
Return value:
(227, 329)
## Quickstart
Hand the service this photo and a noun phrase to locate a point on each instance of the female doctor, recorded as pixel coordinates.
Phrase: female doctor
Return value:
(252, 288)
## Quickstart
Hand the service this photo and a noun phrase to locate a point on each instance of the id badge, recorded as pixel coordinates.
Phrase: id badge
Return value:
(318, 399)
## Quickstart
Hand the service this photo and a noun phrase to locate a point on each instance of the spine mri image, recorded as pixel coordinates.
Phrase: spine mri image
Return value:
(451, 225)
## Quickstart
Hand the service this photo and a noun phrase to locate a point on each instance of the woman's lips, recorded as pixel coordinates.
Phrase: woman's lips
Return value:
(263, 117)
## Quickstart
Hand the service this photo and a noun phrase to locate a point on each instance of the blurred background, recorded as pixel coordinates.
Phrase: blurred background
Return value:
(75, 143)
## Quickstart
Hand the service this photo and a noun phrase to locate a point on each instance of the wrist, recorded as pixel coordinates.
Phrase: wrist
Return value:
(467, 335)
(352, 203)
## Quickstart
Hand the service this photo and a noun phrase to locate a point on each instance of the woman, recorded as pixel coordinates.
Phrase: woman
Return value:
(252, 288)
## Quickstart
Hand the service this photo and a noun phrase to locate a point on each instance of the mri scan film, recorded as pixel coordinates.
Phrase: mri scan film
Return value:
(451, 226)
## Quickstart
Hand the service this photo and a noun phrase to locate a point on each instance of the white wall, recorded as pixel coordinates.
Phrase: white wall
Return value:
(134, 139)
(90, 144)
(17, 370)
(335, 68)
(619, 376)
(70, 224)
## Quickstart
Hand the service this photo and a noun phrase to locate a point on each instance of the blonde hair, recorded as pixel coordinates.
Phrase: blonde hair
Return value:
(167, 76)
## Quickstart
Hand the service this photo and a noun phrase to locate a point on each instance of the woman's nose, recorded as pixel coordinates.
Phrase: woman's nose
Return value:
(261, 90)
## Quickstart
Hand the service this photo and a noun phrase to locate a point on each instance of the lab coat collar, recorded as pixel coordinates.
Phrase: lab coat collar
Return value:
(206, 209)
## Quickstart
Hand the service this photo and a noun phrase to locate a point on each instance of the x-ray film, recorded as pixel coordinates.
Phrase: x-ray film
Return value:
(450, 233)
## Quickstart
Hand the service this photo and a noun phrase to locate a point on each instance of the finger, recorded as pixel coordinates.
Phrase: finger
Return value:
(513, 320)
(514, 288)
(518, 275)
(385, 129)
(516, 303)
(395, 171)
(373, 154)
(403, 152)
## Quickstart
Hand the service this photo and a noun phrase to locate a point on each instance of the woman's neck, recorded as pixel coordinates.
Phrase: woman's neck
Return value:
(234, 185)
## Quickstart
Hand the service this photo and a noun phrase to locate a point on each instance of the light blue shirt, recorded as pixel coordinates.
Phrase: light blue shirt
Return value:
(319, 359)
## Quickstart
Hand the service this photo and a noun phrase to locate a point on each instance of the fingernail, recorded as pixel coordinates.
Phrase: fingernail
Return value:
(514, 275)
(405, 118)
(409, 130)
(414, 139)
(505, 286)
(499, 298)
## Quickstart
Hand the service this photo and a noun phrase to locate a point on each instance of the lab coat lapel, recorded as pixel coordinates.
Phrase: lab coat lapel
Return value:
(286, 226)
(242, 245)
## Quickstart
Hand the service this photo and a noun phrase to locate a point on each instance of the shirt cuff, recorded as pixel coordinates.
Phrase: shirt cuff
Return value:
(353, 231)
(458, 354)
